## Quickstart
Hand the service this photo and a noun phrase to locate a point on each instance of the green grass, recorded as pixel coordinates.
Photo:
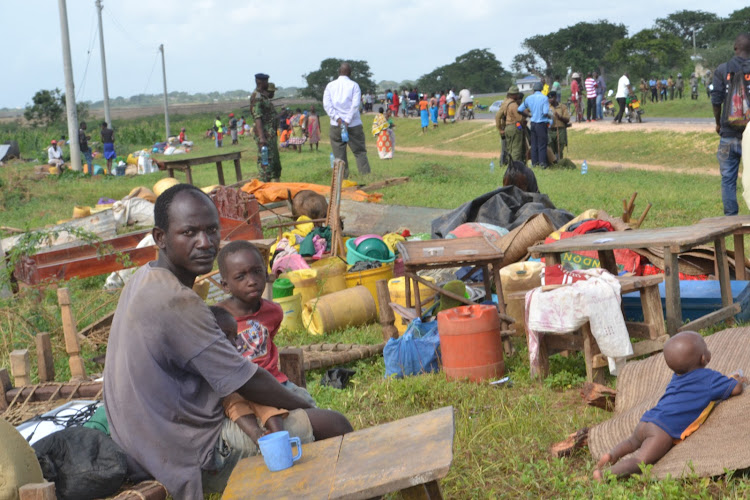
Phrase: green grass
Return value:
(501, 434)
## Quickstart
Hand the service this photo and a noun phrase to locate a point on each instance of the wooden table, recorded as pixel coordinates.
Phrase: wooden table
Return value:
(673, 240)
(409, 455)
(185, 164)
(741, 225)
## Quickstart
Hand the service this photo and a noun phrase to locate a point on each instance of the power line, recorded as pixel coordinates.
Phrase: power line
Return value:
(124, 31)
(82, 86)
(156, 58)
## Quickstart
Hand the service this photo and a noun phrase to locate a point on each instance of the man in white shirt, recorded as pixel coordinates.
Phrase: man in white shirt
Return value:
(465, 97)
(55, 155)
(623, 90)
(341, 102)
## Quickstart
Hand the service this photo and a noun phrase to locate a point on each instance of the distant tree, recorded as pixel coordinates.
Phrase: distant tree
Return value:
(329, 71)
(726, 29)
(477, 70)
(648, 52)
(47, 108)
(581, 47)
(683, 23)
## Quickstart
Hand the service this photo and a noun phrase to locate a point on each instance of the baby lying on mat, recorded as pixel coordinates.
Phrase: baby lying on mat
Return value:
(690, 396)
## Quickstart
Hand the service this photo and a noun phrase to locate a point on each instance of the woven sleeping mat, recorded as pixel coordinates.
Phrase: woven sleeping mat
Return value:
(720, 444)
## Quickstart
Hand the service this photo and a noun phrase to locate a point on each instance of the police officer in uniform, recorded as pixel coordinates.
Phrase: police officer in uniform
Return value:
(265, 123)
(558, 135)
(515, 123)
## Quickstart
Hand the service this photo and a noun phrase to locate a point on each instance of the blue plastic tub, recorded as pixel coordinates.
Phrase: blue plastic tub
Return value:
(698, 299)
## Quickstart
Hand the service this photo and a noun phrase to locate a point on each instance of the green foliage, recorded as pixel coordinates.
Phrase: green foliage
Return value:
(648, 52)
(477, 70)
(47, 108)
(582, 47)
(329, 71)
(684, 23)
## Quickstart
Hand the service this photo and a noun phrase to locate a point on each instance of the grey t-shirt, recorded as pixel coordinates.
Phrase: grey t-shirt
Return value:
(168, 365)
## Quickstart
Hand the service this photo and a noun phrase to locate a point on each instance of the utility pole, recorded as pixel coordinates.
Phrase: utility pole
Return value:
(166, 101)
(693, 41)
(70, 90)
(107, 115)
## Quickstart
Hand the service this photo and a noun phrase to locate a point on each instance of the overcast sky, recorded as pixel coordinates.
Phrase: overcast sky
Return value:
(218, 45)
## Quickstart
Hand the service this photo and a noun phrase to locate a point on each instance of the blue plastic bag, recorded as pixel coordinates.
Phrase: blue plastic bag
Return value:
(416, 351)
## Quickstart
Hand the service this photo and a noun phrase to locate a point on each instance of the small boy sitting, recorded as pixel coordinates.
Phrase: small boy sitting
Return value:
(239, 410)
(243, 275)
(690, 396)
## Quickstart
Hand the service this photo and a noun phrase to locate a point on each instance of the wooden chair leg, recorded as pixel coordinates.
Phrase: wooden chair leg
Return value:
(591, 349)
(291, 364)
(653, 315)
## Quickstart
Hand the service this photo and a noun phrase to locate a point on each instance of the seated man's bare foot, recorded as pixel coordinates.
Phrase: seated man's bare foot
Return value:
(597, 475)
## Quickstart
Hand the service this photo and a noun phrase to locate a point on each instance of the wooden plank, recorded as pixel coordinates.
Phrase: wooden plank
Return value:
(101, 223)
(311, 476)
(672, 292)
(291, 364)
(220, 173)
(5, 387)
(45, 361)
(653, 314)
(739, 256)
(385, 314)
(20, 367)
(722, 264)
(177, 162)
(590, 350)
(565, 342)
(237, 171)
(37, 491)
(475, 251)
(632, 283)
(639, 349)
(607, 261)
(363, 217)
(711, 318)
(370, 465)
(70, 330)
(642, 330)
(44, 393)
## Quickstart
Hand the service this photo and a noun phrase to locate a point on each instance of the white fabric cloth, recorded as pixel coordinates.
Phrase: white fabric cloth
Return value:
(54, 153)
(341, 100)
(622, 87)
(450, 97)
(465, 96)
(563, 310)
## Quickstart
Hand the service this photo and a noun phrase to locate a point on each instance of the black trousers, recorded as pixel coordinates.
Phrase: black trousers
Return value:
(539, 143)
(621, 103)
(590, 109)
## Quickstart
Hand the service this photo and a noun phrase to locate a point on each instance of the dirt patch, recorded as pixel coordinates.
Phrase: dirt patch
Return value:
(614, 165)
(609, 125)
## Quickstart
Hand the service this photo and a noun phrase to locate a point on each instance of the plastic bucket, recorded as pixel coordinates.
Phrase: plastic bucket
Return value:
(470, 343)
(519, 277)
(350, 307)
(282, 287)
(305, 283)
(331, 273)
(369, 279)
(352, 256)
(397, 291)
(292, 307)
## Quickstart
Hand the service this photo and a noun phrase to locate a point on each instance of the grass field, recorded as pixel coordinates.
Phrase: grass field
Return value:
(501, 434)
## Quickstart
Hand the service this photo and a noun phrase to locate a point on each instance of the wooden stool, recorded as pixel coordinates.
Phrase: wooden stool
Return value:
(651, 330)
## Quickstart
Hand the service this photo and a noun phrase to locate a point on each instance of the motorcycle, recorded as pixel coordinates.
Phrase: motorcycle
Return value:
(608, 108)
(633, 108)
(467, 112)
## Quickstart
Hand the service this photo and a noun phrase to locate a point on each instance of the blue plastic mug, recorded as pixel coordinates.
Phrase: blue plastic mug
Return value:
(276, 449)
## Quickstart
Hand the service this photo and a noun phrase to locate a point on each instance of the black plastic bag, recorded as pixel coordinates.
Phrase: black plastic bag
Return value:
(83, 463)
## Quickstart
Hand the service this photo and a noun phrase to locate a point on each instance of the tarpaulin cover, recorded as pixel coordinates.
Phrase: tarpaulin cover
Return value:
(506, 207)
(268, 192)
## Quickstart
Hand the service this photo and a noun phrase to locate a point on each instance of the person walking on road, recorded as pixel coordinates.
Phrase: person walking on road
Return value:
(537, 107)
(590, 84)
(623, 90)
(341, 102)
(730, 142)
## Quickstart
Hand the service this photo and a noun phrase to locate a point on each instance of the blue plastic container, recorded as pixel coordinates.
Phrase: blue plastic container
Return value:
(698, 299)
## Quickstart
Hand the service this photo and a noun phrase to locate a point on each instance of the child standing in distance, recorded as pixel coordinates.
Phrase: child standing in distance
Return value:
(424, 112)
(243, 275)
(690, 396)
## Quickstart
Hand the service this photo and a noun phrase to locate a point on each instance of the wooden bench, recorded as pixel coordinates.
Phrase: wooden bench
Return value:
(651, 330)
(409, 455)
(186, 164)
(295, 361)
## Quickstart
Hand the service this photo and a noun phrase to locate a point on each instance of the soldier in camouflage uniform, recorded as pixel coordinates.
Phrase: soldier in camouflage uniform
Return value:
(264, 130)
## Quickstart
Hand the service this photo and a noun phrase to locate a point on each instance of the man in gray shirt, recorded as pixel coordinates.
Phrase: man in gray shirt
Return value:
(169, 365)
